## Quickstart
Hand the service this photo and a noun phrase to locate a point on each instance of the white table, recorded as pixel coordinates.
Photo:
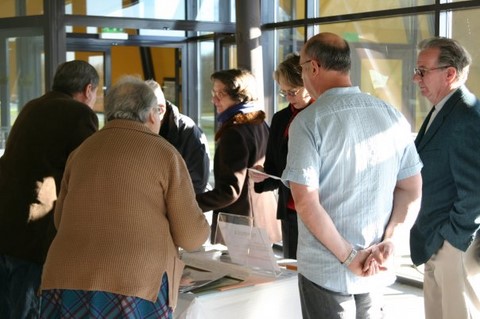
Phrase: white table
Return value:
(276, 299)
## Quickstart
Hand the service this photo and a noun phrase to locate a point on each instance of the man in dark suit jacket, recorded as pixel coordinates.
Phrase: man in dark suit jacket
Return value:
(444, 234)
(46, 131)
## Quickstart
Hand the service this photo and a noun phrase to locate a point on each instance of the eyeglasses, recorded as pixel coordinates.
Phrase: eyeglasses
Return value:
(160, 110)
(291, 93)
(301, 64)
(219, 94)
(422, 71)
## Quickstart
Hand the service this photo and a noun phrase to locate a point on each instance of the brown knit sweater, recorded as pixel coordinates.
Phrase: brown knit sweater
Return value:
(126, 203)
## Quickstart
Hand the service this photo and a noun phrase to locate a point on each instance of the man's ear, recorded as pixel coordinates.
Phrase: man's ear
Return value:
(88, 91)
(315, 67)
(151, 116)
(451, 74)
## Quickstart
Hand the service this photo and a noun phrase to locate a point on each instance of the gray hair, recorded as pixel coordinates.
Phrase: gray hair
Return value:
(155, 86)
(452, 53)
(129, 99)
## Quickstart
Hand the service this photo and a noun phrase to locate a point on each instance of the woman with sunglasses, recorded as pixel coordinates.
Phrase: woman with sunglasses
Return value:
(288, 75)
(241, 143)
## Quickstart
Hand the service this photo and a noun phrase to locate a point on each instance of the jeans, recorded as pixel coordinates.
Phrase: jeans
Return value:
(19, 284)
(321, 303)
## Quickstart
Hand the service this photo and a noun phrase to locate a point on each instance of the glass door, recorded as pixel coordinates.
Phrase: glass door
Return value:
(22, 77)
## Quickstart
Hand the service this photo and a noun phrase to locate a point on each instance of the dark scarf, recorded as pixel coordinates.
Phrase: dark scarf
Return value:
(243, 108)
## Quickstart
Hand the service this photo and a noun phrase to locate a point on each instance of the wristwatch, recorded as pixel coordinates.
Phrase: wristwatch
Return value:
(350, 257)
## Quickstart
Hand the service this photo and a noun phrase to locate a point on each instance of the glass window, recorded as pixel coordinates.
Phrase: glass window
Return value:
(23, 74)
(206, 67)
(287, 10)
(16, 8)
(463, 25)
(327, 8)
(383, 58)
(129, 8)
(214, 10)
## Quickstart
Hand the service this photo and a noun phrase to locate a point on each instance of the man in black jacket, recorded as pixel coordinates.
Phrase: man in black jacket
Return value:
(189, 140)
(46, 131)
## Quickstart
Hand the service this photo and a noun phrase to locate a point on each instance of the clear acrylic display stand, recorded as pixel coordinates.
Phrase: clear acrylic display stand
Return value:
(247, 244)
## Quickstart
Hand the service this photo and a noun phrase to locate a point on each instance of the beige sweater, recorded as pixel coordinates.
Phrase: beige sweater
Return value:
(126, 203)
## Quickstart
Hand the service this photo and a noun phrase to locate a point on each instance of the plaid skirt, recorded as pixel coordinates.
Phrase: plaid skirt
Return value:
(75, 304)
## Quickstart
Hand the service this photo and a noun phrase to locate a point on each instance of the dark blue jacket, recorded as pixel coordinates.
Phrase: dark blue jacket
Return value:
(450, 152)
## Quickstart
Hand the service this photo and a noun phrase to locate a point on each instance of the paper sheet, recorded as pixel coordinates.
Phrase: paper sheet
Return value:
(256, 171)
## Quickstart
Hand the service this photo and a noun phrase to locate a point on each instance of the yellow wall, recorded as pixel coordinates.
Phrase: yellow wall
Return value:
(126, 60)
(164, 63)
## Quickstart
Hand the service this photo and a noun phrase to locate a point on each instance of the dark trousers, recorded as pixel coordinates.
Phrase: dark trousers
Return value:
(19, 284)
(321, 303)
(290, 235)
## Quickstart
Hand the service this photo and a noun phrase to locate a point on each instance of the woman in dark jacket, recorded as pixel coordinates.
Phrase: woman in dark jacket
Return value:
(289, 77)
(241, 143)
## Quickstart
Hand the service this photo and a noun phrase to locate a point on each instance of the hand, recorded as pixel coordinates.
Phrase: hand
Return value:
(363, 265)
(257, 178)
(382, 253)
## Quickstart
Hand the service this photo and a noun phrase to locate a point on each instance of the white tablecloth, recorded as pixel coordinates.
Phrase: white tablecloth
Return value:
(276, 299)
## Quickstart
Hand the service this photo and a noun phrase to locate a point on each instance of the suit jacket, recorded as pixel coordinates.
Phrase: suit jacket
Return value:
(450, 152)
(45, 132)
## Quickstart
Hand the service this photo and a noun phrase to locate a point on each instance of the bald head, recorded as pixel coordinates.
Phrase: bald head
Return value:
(325, 61)
(331, 51)
(331, 39)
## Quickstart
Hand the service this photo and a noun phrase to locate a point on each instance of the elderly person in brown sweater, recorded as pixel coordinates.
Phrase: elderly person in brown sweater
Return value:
(125, 206)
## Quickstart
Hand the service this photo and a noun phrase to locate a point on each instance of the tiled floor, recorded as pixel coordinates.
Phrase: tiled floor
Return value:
(404, 299)
(404, 302)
